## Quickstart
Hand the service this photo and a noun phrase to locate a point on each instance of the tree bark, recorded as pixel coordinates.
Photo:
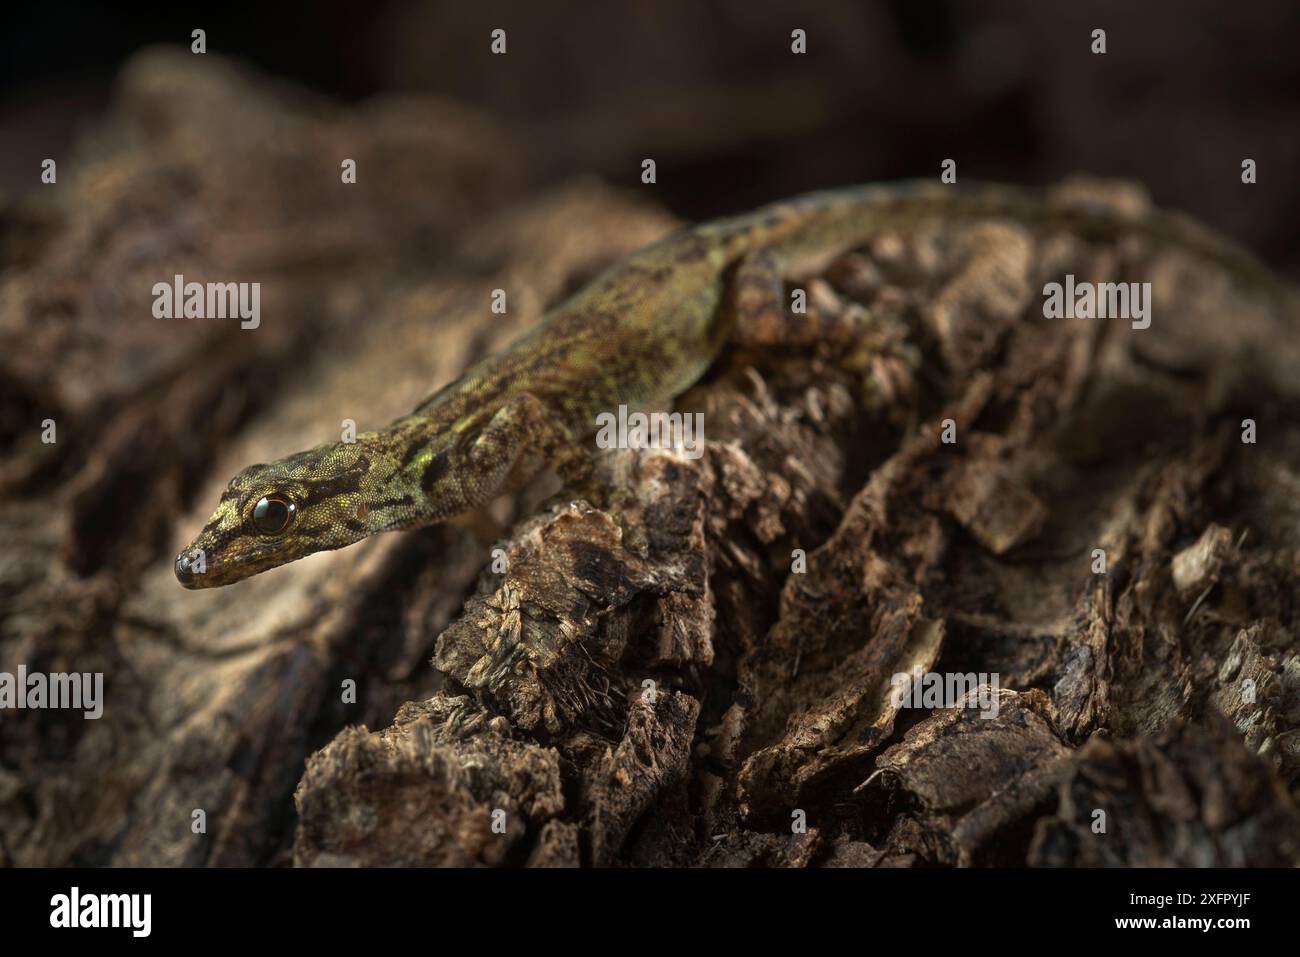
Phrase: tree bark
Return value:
(697, 670)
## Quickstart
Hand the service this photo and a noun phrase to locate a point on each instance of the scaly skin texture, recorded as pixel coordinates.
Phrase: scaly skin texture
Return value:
(642, 332)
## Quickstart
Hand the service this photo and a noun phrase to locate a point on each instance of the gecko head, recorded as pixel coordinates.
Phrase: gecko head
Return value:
(291, 508)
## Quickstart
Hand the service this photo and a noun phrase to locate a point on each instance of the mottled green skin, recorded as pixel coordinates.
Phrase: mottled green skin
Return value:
(642, 332)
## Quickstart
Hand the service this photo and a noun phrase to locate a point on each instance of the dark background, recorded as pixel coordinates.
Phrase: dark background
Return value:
(888, 89)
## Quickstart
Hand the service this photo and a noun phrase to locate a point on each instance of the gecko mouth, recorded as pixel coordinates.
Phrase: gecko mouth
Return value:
(195, 568)
(224, 558)
(196, 572)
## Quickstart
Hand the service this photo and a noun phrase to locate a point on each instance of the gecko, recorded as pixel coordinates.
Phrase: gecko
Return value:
(641, 332)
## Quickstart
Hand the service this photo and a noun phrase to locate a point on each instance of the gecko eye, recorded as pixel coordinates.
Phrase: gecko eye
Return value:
(272, 514)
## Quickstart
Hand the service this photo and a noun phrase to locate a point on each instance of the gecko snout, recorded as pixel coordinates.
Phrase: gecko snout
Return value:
(185, 570)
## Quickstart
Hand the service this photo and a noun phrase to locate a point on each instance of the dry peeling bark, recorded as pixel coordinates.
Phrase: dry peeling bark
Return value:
(681, 672)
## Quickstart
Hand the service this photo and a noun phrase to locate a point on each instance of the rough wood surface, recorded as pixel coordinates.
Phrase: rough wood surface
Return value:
(647, 682)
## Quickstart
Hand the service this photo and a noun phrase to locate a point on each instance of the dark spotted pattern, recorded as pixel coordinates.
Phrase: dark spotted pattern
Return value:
(643, 331)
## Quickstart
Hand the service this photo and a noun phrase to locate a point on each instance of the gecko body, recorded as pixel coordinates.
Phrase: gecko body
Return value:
(642, 332)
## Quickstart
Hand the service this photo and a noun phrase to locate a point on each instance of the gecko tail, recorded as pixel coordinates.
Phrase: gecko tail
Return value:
(851, 217)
